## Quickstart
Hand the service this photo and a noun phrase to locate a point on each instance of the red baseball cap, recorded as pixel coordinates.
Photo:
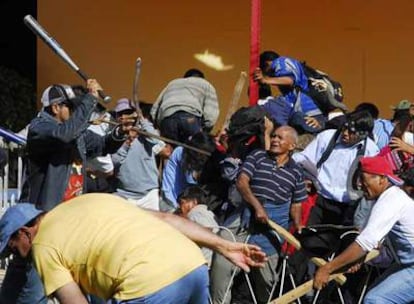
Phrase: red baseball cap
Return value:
(379, 165)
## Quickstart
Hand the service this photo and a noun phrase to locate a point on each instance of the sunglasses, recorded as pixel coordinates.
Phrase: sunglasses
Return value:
(350, 127)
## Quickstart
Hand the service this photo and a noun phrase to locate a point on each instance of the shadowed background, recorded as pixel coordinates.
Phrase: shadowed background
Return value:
(366, 45)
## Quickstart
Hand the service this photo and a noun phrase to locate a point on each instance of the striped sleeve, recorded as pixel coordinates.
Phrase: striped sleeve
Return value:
(300, 193)
(249, 165)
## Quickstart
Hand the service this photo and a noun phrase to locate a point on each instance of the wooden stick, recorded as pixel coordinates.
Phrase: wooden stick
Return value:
(148, 134)
(341, 279)
(171, 141)
(135, 91)
(234, 100)
(299, 291)
(307, 286)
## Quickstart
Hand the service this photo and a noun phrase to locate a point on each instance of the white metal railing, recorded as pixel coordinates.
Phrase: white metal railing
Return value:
(8, 196)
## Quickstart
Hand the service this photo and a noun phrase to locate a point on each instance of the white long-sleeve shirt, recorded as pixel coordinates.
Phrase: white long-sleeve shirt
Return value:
(392, 214)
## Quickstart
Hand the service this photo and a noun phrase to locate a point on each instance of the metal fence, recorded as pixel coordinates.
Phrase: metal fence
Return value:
(11, 178)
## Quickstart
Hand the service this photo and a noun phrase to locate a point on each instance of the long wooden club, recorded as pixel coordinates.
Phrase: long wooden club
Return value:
(148, 134)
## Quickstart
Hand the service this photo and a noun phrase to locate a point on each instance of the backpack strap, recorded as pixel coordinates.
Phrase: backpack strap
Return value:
(331, 146)
(362, 147)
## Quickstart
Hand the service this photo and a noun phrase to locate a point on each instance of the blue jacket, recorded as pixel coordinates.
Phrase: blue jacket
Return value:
(289, 67)
(53, 147)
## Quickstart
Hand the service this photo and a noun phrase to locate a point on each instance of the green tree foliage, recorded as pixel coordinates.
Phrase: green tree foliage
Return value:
(17, 100)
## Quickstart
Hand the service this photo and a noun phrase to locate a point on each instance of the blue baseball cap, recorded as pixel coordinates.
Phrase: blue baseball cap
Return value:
(13, 219)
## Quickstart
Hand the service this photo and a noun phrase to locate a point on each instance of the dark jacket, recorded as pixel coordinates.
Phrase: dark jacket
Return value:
(53, 147)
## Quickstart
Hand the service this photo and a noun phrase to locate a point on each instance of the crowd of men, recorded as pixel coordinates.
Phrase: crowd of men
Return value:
(114, 201)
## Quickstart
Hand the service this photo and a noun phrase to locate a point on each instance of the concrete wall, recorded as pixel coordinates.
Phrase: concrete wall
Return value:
(365, 44)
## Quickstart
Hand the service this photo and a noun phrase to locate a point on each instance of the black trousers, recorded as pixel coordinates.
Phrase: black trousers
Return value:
(325, 211)
(328, 211)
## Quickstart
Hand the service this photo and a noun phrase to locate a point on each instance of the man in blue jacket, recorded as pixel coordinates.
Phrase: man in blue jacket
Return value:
(58, 139)
(293, 106)
(59, 142)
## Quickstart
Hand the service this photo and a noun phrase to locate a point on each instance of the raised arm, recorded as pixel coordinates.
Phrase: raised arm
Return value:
(274, 81)
(240, 254)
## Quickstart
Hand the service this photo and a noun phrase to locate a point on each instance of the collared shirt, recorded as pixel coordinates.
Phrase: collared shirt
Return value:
(278, 184)
(382, 132)
(333, 173)
(174, 179)
(391, 214)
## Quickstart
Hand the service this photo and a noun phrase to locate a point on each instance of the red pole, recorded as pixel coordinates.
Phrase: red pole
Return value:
(255, 24)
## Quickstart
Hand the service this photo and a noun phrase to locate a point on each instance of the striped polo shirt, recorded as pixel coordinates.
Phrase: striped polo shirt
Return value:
(268, 181)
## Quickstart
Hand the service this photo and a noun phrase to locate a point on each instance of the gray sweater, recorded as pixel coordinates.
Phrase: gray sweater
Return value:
(136, 165)
(193, 95)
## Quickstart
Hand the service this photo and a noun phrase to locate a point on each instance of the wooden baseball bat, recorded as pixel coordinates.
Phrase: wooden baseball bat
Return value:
(40, 32)
(341, 279)
(307, 286)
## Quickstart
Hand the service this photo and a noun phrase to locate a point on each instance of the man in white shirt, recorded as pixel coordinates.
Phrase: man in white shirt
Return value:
(391, 215)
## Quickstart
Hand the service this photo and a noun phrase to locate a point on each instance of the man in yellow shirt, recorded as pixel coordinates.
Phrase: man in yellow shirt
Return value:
(99, 244)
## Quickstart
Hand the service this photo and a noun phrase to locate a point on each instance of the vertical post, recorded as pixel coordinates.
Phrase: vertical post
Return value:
(19, 172)
(255, 24)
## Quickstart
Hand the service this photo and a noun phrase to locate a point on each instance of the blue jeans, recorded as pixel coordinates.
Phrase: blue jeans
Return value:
(395, 286)
(190, 289)
(298, 121)
(260, 234)
(180, 126)
(22, 284)
(279, 109)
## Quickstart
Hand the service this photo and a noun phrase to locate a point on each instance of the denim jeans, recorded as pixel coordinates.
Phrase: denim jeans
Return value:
(298, 121)
(22, 284)
(190, 289)
(396, 285)
(260, 234)
(180, 126)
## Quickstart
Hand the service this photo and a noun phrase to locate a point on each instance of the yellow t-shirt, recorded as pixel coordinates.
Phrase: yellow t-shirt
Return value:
(110, 248)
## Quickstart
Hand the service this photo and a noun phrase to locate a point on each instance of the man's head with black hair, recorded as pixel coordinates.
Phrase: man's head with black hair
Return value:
(193, 192)
(194, 73)
(266, 59)
(369, 107)
(195, 161)
(358, 125)
(399, 114)
(404, 123)
(191, 197)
